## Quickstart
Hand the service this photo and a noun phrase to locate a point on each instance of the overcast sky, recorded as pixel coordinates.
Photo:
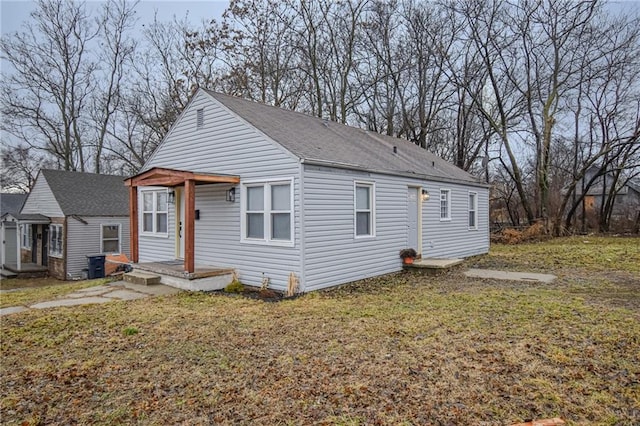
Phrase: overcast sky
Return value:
(14, 13)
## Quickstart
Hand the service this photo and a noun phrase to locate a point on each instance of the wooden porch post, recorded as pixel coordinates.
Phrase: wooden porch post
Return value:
(133, 222)
(189, 225)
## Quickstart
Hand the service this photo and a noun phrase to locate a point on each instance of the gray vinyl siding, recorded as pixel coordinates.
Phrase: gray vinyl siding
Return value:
(453, 238)
(84, 239)
(41, 200)
(225, 144)
(334, 256)
(218, 241)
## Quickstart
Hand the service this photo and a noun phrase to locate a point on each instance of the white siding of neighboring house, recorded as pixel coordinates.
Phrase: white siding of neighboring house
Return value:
(41, 200)
(226, 144)
(85, 239)
(334, 256)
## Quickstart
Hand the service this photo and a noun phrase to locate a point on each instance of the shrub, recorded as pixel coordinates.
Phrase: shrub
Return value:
(234, 287)
(130, 331)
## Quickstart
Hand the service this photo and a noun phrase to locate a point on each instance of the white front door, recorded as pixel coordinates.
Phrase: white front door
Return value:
(413, 197)
(181, 224)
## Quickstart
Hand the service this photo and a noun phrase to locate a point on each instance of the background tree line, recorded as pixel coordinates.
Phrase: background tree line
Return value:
(533, 96)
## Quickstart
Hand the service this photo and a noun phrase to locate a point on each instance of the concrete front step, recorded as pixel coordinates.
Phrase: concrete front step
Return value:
(7, 274)
(142, 278)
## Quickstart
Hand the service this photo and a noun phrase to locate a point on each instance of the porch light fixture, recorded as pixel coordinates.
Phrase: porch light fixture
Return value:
(425, 195)
(172, 197)
(231, 195)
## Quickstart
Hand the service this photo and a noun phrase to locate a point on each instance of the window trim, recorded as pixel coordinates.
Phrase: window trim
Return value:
(267, 212)
(372, 209)
(28, 234)
(154, 232)
(52, 253)
(447, 218)
(474, 210)
(102, 250)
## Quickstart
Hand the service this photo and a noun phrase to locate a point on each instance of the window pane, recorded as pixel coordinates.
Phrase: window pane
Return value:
(255, 198)
(147, 225)
(281, 197)
(362, 223)
(148, 201)
(362, 197)
(281, 226)
(110, 246)
(161, 204)
(110, 231)
(255, 225)
(472, 219)
(161, 222)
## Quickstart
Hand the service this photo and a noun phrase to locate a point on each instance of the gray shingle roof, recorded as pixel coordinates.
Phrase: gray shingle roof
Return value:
(11, 203)
(318, 141)
(88, 194)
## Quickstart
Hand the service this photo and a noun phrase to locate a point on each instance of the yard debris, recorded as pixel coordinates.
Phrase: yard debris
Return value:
(545, 422)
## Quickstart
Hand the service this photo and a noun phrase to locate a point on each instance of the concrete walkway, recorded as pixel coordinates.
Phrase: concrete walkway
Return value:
(110, 292)
(510, 276)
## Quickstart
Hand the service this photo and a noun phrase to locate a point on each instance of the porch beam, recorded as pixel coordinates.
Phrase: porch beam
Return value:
(189, 225)
(160, 181)
(133, 223)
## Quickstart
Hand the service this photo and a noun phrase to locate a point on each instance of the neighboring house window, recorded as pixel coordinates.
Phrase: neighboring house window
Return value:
(110, 238)
(473, 208)
(155, 212)
(268, 212)
(200, 118)
(55, 240)
(445, 204)
(364, 209)
(26, 236)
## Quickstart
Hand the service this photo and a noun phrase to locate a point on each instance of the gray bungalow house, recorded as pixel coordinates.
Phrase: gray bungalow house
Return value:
(266, 192)
(67, 216)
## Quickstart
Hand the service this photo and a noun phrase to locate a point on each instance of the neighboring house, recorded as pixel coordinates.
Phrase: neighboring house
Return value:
(10, 204)
(270, 192)
(67, 216)
(626, 204)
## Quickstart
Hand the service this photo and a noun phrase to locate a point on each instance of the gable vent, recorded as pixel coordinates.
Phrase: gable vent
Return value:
(200, 118)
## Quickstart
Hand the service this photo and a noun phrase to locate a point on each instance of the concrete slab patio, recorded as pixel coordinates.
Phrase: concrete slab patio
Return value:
(510, 276)
(118, 290)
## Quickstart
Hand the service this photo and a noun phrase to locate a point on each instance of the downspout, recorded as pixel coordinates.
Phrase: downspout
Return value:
(303, 282)
(64, 248)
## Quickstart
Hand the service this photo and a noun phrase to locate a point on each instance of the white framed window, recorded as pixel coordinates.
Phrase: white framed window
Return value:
(473, 210)
(267, 212)
(55, 240)
(25, 236)
(445, 204)
(155, 212)
(364, 209)
(110, 238)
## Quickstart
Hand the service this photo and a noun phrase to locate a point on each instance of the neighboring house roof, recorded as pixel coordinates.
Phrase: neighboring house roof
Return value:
(28, 217)
(88, 194)
(11, 203)
(318, 141)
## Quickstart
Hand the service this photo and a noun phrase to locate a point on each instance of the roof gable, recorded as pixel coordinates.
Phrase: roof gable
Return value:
(315, 140)
(88, 194)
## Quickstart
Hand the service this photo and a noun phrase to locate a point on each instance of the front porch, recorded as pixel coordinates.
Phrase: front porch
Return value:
(181, 272)
(172, 272)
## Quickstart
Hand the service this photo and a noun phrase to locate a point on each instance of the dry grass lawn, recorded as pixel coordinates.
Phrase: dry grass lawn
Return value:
(401, 349)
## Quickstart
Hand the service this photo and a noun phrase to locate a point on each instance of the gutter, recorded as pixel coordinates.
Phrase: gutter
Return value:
(348, 166)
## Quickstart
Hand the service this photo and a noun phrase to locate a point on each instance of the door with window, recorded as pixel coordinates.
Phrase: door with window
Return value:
(181, 205)
(412, 219)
